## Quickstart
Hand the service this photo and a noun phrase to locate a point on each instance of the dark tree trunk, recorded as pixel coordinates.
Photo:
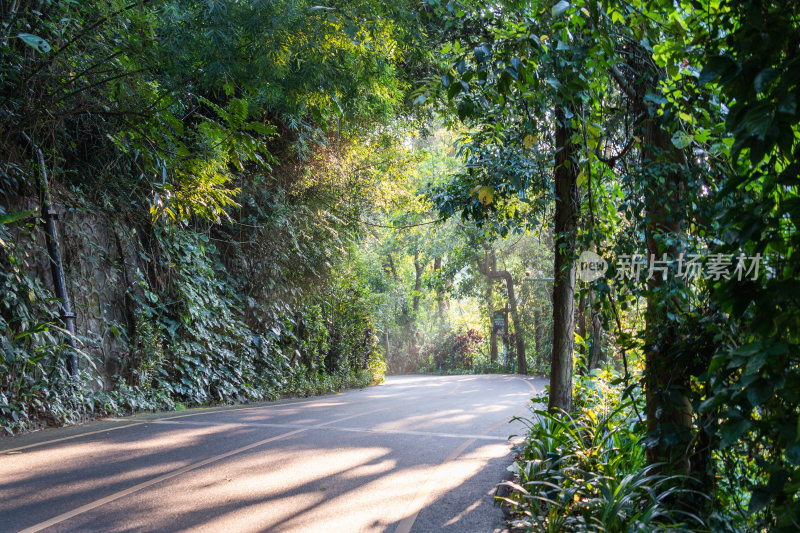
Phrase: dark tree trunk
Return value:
(493, 273)
(490, 307)
(537, 331)
(392, 269)
(669, 412)
(596, 357)
(667, 380)
(522, 364)
(667, 377)
(566, 218)
(419, 268)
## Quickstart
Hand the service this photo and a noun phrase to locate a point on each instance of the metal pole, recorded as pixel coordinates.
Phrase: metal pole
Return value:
(49, 217)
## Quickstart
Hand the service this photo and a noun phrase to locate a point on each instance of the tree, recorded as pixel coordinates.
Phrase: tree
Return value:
(488, 268)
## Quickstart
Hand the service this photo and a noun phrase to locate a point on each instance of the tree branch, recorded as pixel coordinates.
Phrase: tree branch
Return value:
(624, 85)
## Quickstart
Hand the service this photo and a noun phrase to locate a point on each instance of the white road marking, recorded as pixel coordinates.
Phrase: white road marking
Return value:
(405, 525)
(130, 490)
(207, 411)
(10, 450)
(328, 428)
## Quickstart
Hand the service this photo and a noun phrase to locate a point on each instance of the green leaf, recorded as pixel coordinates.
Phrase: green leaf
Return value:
(793, 454)
(764, 78)
(681, 140)
(34, 41)
(758, 120)
(10, 218)
(260, 128)
(559, 8)
(758, 499)
(730, 432)
(719, 67)
(759, 392)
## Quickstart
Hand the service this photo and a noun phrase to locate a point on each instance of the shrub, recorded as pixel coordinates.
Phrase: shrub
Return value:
(453, 351)
(587, 471)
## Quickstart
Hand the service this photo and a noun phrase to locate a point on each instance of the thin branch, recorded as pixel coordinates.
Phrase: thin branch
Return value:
(612, 161)
(626, 377)
(69, 43)
(624, 85)
(96, 84)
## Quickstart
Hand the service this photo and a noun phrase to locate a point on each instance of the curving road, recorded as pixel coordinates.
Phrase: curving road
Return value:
(418, 453)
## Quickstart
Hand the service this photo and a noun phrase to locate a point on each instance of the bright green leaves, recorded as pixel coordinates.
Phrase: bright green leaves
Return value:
(10, 218)
(529, 141)
(681, 140)
(485, 194)
(209, 151)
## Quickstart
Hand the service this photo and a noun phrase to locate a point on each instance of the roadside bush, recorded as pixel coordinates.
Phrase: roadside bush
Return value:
(586, 471)
(189, 345)
(34, 389)
(453, 351)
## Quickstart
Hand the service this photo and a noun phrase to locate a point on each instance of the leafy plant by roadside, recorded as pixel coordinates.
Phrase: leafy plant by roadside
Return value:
(586, 471)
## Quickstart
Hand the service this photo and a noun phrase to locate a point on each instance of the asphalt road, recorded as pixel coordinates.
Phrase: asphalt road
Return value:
(418, 453)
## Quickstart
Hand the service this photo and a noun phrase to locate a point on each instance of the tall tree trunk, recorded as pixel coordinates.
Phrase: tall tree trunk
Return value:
(566, 219)
(596, 355)
(537, 331)
(392, 269)
(581, 318)
(493, 273)
(490, 307)
(437, 266)
(419, 268)
(522, 364)
(666, 380)
(669, 413)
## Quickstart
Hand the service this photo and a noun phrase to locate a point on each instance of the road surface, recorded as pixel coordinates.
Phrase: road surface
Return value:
(418, 453)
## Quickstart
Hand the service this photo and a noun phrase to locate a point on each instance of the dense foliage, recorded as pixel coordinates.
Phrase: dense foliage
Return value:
(664, 133)
(302, 195)
(232, 149)
(587, 471)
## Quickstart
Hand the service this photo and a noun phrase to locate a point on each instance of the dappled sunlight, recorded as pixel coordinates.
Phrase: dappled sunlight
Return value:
(428, 421)
(212, 473)
(457, 518)
(62, 458)
(76, 487)
(370, 469)
(79, 471)
(485, 451)
(267, 490)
